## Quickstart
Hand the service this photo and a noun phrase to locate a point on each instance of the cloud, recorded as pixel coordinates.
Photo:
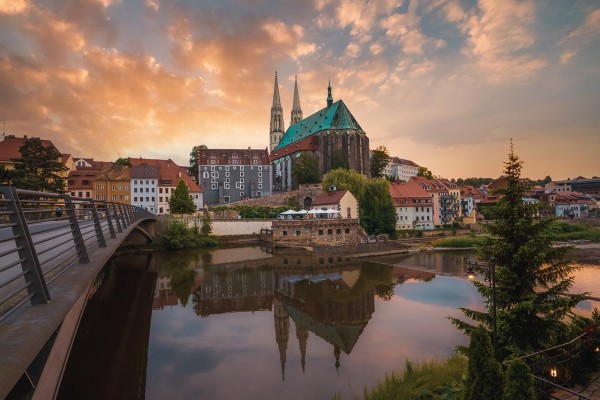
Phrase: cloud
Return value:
(152, 5)
(500, 38)
(13, 6)
(577, 38)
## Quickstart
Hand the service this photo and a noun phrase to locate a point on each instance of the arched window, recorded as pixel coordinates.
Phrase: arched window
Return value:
(349, 211)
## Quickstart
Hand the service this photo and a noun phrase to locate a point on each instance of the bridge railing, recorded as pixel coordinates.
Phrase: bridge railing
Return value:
(44, 234)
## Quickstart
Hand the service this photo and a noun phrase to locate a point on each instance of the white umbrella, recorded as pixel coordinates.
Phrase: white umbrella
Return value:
(331, 210)
(288, 212)
(301, 212)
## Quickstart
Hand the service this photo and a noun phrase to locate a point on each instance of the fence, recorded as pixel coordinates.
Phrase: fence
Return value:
(44, 234)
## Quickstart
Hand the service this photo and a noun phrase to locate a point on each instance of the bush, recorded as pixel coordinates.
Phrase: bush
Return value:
(459, 242)
(177, 236)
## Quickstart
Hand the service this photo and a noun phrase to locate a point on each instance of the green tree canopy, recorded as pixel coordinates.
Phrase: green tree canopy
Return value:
(424, 171)
(180, 201)
(206, 228)
(194, 162)
(531, 274)
(38, 168)
(519, 382)
(124, 161)
(377, 213)
(306, 169)
(380, 158)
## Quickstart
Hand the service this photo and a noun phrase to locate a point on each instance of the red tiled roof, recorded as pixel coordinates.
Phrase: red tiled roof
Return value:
(172, 173)
(408, 190)
(332, 197)
(307, 144)
(226, 156)
(9, 147)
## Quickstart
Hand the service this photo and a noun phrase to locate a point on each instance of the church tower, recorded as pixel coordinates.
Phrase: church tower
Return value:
(282, 332)
(277, 128)
(296, 110)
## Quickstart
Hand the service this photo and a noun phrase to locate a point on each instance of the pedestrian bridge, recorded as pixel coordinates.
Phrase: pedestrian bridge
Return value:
(52, 252)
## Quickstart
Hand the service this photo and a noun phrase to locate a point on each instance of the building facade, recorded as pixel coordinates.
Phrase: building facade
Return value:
(144, 186)
(230, 175)
(332, 135)
(414, 206)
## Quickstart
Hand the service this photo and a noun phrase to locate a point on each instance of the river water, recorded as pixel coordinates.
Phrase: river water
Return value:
(244, 323)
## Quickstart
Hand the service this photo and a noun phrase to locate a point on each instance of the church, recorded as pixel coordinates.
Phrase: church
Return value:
(331, 134)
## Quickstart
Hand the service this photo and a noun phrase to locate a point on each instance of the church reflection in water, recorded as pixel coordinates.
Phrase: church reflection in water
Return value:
(331, 296)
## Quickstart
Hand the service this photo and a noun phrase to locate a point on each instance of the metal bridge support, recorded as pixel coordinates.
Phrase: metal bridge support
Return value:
(111, 228)
(32, 270)
(97, 227)
(79, 243)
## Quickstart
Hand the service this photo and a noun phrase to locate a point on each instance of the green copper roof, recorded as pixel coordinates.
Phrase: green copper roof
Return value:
(335, 117)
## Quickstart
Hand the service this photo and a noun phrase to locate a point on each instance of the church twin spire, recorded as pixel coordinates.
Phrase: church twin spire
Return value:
(277, 126)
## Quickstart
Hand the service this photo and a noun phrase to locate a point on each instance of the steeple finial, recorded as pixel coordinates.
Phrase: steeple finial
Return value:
(329, 96)
(296, 110)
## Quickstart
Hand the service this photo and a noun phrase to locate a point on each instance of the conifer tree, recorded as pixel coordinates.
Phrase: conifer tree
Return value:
(180, 201)
(519, 382)
(38, 168)
(206, 228)
(531, 274)
(484, 373)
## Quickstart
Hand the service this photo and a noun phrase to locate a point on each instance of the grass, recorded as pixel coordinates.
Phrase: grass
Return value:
(565, 231)
(458, 242)
(431, 380)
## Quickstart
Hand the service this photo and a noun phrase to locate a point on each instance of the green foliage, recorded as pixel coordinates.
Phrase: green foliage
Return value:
(429, 380)
(180, 201)
(293, 203)
(484, 373)
(339, 159)
(38, 168)
(206, 228)
(177, 236)
(565, 231)
(459, 242)
(123, 161)
(181, 275)
(306, 169)
(378, 214)
(530, 274)
(424, 171)
(194, 162)
(380, 158)
(475, 182)
(346, 180)
(519, 382)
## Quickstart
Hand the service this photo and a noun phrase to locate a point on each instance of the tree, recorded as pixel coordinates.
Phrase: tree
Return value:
(378, 214)
(194, 160)
(531, 274)
(38, 168)
(306, 169)
(206, 228)
(519, 382)
(424, 171)
(123, 161)
(484, 373)
(380, 158)
(339, 159)
(180, 201)
(546, 180)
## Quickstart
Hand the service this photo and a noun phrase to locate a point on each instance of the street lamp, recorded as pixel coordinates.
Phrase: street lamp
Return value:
(489, 268)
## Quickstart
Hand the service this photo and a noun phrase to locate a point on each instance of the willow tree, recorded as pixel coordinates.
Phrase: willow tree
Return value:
(531, 274)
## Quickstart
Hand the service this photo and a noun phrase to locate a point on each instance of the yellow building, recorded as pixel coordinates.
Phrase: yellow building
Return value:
(112, 184)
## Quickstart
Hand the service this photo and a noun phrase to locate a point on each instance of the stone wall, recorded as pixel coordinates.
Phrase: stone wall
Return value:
(316, 233)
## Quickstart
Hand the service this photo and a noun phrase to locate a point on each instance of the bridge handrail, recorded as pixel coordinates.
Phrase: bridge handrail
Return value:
(44, 234)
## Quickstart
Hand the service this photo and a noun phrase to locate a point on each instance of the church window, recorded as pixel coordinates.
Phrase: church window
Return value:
(227, 186)
(241, 174)
(215, 185)
(260, 186)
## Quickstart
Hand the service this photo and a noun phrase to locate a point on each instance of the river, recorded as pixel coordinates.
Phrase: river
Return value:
(244, 323)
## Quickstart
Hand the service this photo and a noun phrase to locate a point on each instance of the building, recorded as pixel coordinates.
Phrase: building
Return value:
(331, 134)
(112, 184)
(144, 186)
(80, 182)
(401, 169)
(444, 212)
(340, 200)
(169, 175)
(229, 175)
(414, 206)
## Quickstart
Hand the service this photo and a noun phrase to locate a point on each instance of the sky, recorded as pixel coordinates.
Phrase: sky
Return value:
(445, 83)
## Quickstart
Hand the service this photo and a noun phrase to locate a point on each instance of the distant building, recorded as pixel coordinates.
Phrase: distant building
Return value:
(112, 184)
(144, 186)
(401, 169)
(80, 182)
(230, 175)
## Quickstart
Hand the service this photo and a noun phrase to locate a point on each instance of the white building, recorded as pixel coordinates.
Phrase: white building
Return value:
(399, 168)
(414, 206)
(144, 185)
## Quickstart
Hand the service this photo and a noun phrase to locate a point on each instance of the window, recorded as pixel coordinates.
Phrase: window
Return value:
(226, 174)
(260, 168)
(114, 197)
(205, 175)
(226, 180)
(242, 168)
(241, 180)
(212, 168)
(330, 231)
(241, 174)
(347, 230)
(259, 174)
(152, 190)
(297, 233)
(215, 174)
(135, 181)
(226, 199)
(320, 234)
(114, 187)
(159, 199)
(135, 199)
(260, 185)
(284, 233)
(160, 189)
(338, 231)
(147, 198)
(227, 168)
(259, 180)
(147, 190)
(166, 190)
(215, 186)
(120, 197)
(97, 187)
(242, 194)
(227, 186)
(134, 190)
(120, 187)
